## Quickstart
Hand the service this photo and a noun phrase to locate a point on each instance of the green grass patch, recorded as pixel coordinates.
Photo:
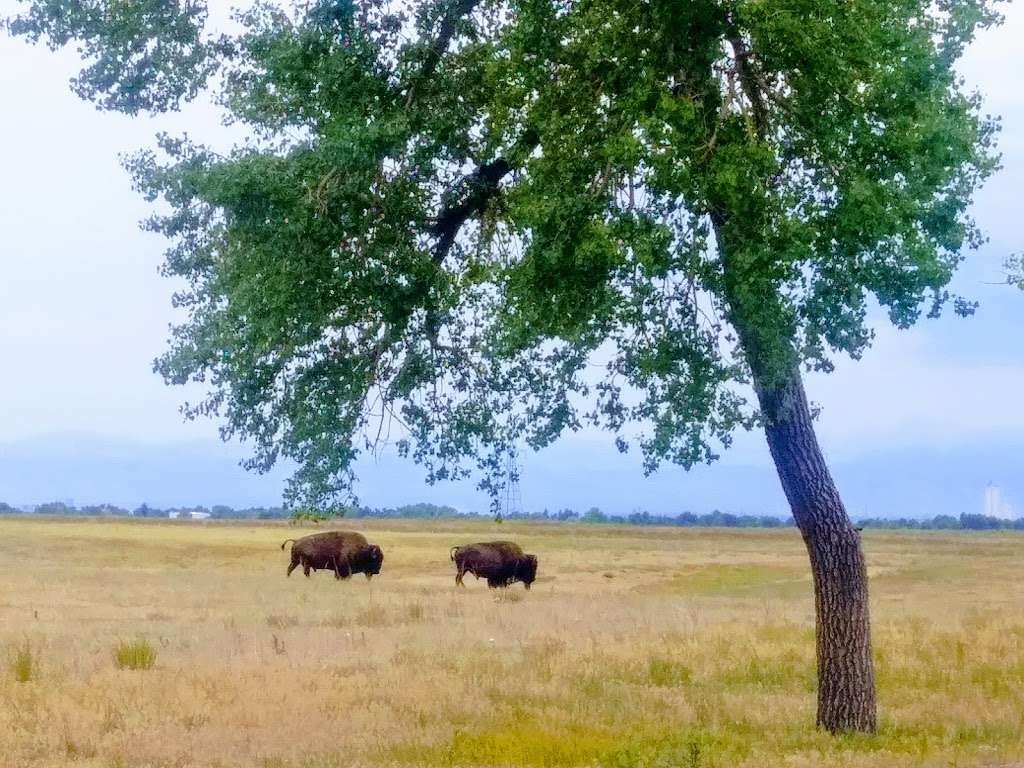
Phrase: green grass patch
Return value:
(134, 654)
(531, 744)
(786, 634)
(736, 581)
(770, 673)
(516, 744)
(666, 673)
(25, 663)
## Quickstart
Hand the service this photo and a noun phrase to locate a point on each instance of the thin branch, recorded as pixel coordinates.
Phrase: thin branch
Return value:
(450, 16)
(457, 11)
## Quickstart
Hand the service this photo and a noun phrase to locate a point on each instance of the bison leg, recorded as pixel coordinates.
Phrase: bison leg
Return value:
(338, 572)
(305, 567)
(294, 564)
(458, 577)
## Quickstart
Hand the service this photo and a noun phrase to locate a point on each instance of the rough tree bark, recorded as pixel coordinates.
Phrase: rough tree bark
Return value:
(846, 678)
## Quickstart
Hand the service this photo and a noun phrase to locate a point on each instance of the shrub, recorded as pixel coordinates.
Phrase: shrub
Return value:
(135, 654)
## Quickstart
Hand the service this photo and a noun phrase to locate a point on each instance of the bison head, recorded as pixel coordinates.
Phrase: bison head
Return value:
(374, 557)
(526, 570)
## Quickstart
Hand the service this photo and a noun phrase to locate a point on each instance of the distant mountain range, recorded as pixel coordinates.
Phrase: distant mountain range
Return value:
(576, 474)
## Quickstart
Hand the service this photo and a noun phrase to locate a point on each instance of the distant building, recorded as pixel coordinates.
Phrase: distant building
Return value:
(188, 514)
(996, 505)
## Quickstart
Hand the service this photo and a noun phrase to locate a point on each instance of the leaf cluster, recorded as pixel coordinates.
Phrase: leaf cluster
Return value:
(465, 225)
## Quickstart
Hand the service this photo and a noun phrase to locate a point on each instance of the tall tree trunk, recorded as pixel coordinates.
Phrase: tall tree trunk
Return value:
(846, 675)
(846, 679)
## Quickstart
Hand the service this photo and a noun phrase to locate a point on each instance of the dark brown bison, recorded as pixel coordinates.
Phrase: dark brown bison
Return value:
(344, 552)
(500, 562)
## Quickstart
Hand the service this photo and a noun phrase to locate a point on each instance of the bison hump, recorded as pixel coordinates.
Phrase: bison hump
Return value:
(506, 548)
(330, 542)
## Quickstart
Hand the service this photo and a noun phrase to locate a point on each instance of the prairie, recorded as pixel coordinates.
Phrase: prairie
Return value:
(131, 643)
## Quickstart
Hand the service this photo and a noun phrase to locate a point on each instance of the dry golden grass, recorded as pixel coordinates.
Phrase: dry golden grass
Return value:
(636, 647)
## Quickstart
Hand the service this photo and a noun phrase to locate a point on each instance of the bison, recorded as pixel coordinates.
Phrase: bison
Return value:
(344, 552)
(500, 562)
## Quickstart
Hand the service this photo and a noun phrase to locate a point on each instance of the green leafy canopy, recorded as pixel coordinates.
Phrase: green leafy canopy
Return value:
(467, 224)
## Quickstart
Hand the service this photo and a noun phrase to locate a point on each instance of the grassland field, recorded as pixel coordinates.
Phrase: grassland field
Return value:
(646, 647)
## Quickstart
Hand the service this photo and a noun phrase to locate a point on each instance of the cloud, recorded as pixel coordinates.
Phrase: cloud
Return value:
(910, 390)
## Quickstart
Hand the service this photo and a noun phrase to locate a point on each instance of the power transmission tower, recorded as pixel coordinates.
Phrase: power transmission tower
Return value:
(513, 502)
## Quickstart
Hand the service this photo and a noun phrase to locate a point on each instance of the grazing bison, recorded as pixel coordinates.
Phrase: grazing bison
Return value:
(344, 552)
(500, 562)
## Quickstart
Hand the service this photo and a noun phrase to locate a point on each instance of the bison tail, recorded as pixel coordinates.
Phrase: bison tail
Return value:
(454, 550)
(286, 541)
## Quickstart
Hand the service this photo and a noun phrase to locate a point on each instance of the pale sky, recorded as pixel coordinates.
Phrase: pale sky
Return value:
(83, 310)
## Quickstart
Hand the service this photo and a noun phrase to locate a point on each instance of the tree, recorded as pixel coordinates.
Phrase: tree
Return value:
(55, 508)
(1015, 270)
(103, 510)
(448, 208)
(594, 515)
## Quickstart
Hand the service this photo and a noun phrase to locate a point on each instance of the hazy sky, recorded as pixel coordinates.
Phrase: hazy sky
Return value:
(83, 310)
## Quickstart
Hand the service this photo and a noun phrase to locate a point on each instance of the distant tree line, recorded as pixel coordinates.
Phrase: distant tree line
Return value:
(144, 510)
(421, 510)
(947, 523)
(424, 510)
(715, 519)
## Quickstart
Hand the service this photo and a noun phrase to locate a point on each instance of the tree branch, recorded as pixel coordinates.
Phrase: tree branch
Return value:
(472, 194)
(458, 10)
(750, 82)
(469, 197)
(445, 33)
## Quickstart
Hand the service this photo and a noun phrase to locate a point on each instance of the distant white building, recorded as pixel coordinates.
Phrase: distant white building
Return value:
(996, 505)
(186, 514)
